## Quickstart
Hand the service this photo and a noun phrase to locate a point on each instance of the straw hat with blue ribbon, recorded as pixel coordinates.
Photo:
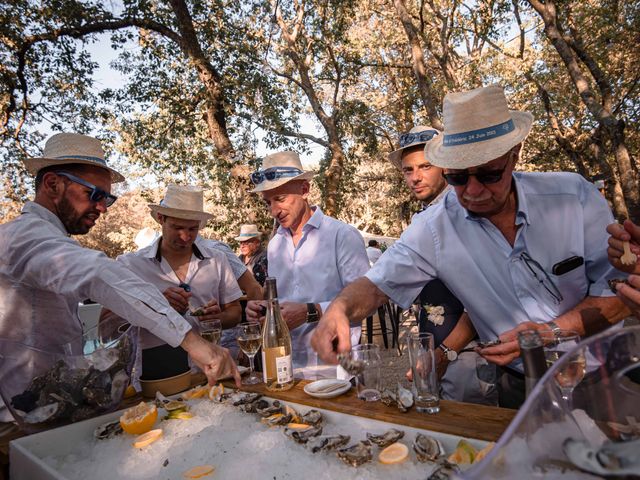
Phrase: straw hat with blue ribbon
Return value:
(277, 169)
(67, 148)
(416, 136)
(247, 232)
(478, 128)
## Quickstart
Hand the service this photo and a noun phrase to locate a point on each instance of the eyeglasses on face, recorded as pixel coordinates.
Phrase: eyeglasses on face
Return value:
(274, 173)
(417, 137)
(96, 194)
(462, 178)
(542, 277)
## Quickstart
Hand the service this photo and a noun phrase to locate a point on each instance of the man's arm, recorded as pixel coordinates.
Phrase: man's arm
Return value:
(590, 316)
(355, 301)
(459, 338)
(250, 286)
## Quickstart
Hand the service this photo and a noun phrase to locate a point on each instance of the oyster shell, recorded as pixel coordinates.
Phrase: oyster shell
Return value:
(253, 407)
(44, 413)
(352, 366)
(356, 454)
(387, 438)
(275, 407)
(312, 417)
(619, 458)
(405, 398)
(388, 397)
(444, 471)
(427, 448)
(108, 430)
(244, 398)
(300, 433)
(326, 443)
(615, 281)
(277, 419)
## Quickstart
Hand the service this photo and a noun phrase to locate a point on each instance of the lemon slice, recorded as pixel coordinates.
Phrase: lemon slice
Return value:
(394, 453)
(297, 426)
(147, 438)
(484, 452)
(130, 391)
(199, 471)
(216, 392)
(139, 419)
(464, 453)
(195, 392)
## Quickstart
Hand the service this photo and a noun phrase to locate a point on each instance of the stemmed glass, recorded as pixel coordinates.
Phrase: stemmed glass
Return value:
(211, 330)
(559, 346)
(249, 338)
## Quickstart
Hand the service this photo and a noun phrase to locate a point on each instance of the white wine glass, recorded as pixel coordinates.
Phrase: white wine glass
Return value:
(211, 331)
(249, 338)
(558, 346)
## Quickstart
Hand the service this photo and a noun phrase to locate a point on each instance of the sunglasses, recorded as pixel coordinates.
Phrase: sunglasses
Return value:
(418, 137)
(542, 277)
(96, 194)
(274, 173)
(486, 178)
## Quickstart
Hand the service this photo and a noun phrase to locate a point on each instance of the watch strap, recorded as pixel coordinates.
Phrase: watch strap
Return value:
(555, 329)
(312, 313)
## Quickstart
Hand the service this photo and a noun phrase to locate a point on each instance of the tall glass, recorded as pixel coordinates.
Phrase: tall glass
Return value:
(558, 345)
(211, 330)
(249, 338)
(423, 368)
(368, 379)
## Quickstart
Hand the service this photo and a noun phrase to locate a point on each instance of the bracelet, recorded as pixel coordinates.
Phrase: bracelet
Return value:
(555, 329)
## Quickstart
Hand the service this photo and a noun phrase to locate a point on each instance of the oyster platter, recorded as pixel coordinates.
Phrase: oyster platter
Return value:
(216, 432)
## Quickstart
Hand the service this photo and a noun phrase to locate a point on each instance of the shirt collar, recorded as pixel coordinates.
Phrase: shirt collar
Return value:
(153, 250)
(438, 198)
(521, 213)
(314, 222)
(45, 214)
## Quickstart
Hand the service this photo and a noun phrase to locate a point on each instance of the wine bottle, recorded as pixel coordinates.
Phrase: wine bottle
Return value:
(276, 344)
(533, 359)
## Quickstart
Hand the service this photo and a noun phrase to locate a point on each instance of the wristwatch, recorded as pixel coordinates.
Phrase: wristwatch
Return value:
(555, 329)
(312, 313)
(451, 355)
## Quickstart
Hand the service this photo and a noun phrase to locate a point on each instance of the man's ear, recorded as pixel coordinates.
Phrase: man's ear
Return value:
(305, 189)
(53, 184)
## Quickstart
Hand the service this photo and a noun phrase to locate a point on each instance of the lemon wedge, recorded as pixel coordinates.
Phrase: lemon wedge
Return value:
(199, 471)
(139, 419)
(147, 438)
(394, 453)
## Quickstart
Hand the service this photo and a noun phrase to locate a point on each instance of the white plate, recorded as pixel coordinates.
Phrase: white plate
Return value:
(310, 388)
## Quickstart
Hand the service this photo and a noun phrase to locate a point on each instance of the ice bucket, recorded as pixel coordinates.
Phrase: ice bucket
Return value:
(70, 382)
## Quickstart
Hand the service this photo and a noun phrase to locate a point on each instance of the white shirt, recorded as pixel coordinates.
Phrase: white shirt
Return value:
(374, 254)
(44, 274)
(209, 275)
(237, 265)
(329, 256)
(560, 215)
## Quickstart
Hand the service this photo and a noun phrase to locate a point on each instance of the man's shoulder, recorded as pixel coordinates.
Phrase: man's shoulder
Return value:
(339, 225)
(551, 182)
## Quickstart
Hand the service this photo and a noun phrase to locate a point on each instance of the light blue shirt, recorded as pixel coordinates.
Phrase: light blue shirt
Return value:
(559, 215)
(329, 256)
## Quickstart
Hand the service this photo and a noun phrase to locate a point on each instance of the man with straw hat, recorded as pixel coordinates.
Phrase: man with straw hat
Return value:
(193, 275)
(458, 374)
(44, 273)
(252, 254)
(520, 250)
(312, 256)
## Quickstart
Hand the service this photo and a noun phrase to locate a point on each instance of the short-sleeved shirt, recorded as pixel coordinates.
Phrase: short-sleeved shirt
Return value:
(560, 215)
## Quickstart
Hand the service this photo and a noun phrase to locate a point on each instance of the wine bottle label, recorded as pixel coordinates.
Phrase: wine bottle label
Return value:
(284, 369)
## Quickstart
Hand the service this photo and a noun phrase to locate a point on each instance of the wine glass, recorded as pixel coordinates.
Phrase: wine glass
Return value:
(557, 346)
(249, 338)
(211, 330)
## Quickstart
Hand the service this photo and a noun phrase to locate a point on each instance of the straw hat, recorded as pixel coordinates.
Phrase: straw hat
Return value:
(285, 166)
(182, 201)
(247, 232)
(66, 148)
(416, 136)
(478, 128)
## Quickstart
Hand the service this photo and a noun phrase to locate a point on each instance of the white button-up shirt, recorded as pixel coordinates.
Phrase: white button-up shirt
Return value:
(329, 256)
(209, 275)
(560, 215)
(44, 274)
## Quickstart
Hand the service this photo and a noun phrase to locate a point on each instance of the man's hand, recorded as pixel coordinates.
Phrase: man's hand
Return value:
(178, 298)
(294, 314)
(630, 294)
(628, 232)
(509, 349)
(255, 310)
(442, 362)
(211, 311)
(334, 324)
(214, 361)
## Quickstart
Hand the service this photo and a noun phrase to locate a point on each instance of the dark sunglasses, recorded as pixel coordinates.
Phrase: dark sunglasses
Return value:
(418, 137)
(542, 277)
(274, 173)
(486, 178)
(96, 194)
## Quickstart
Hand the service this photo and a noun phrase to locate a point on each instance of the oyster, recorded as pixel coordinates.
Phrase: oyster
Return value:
(275, 407)
(404, 399)
(387, 438)
(612, 458)
(302, 433)
(352, 366)
(356, 454)
(44, 413)
(253, 407)
(108, 430)
(427, 448)
(325, 443)
(277, 419)
(244, 398)
(444, 471)
(388, 397)
(614, 282)
(312, 417)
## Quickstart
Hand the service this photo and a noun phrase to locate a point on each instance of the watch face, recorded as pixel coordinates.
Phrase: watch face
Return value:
(452, 355)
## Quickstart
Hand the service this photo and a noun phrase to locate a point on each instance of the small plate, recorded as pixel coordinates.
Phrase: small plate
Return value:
(311, 388)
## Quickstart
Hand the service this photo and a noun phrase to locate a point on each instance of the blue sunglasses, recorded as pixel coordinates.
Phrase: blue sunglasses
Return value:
(96, 194)
(274, 173)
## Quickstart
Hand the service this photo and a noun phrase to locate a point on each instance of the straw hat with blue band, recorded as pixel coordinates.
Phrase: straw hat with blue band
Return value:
(68, 148)
(277, 169)
(247, 232)
(478, 128)
(416, 136)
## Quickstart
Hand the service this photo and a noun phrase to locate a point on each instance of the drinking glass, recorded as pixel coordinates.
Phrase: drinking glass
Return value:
(559, 345)
(211, 330)
(249, 338)
(423, 368)
(368, 379)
